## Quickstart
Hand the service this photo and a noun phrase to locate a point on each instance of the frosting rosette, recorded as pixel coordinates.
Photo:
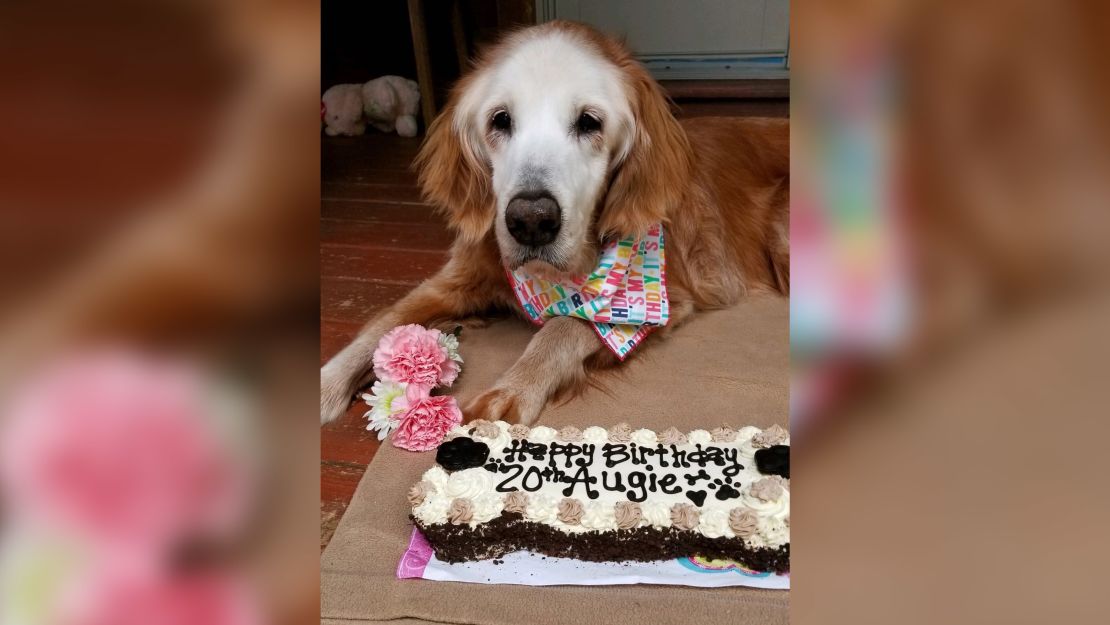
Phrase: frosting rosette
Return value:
(542, 508)
(700, 437)
(599, 516)
(595, 434)
(656, 514)
(644, 437)
(714, 523)
(542, 434)
(468, 483)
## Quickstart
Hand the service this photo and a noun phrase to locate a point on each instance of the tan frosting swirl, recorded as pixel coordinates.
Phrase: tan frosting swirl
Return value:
(723, 434)
(516, 501)
(519, 431)
(628, 514)
(570, 511)
(743, 522)
(773, 435)
(486, 429)
(419, 492)
(684, 516)
(768, 489)
(461, 511)
(620, 433)
(671, 436)
(569, 434)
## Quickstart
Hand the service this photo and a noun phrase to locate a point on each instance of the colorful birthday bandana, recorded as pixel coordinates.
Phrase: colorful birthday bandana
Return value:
(625, 297)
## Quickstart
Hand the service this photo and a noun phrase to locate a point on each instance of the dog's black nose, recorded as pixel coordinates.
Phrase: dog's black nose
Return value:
(533, 218)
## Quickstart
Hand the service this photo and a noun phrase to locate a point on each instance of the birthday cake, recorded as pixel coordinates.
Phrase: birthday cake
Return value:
(612, 494)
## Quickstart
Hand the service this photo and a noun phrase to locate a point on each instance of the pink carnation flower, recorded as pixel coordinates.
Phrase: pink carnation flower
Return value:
(108, 598)
(117, 448)
(426, 422)
(415, 356)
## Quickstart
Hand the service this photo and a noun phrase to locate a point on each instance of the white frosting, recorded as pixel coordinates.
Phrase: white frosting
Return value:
(470, 483)
(540, 434)
(437, 477)
(594, 434)
(656, 514)
(747, 449)
(644, 437)
(501, 440)
(479, 486)
(432, 510)
(775, 532)
(778, 509)
(542, 508)
(599, 516)
(700, 436)
(486, 508)
(747, 432)
(714, 523)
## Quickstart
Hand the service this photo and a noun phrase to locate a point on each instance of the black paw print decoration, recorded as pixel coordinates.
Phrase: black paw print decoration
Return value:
(726, 489)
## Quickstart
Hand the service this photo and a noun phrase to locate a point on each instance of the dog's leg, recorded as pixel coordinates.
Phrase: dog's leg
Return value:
(459, 290)
(554, 358)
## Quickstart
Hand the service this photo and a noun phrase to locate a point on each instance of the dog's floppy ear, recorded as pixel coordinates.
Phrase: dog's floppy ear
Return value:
(454, 178)
(654, 175)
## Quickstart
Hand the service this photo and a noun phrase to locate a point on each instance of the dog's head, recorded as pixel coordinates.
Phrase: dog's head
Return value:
(557, 139)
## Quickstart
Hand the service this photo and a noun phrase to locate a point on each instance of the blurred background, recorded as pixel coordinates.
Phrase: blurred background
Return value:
(160, 191)
(159, 202)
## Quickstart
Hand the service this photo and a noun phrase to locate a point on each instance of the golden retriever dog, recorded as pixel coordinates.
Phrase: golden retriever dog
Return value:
(556, 142)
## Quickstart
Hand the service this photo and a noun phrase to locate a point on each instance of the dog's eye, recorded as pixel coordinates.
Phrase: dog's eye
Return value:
(587, 123)
(501, 121)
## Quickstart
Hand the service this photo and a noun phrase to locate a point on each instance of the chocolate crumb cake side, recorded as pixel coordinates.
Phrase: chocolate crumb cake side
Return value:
(608, 495)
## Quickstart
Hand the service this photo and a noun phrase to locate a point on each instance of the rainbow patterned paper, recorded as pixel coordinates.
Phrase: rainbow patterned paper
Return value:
(625, 297)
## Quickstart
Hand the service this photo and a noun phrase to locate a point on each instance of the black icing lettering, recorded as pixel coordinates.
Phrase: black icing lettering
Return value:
(516, 470)
(667, 481)
(661, 454)
(678, 457)
(584, 478)
(614, 454)
(618, 484)
(533, 471)
(637, 490)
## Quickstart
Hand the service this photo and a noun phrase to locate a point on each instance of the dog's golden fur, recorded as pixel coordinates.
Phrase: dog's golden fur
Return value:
(720, 186)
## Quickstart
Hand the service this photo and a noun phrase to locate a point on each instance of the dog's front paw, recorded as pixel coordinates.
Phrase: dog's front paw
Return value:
(501, 404)
(335, 396)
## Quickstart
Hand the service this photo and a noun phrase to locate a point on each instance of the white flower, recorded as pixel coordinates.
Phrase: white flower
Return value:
(386, 400)
(450, 342)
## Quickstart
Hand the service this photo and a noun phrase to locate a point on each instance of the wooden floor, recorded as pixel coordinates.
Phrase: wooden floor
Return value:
(377, 241)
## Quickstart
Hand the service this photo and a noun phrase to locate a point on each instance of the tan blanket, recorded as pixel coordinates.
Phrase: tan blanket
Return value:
(728, 366)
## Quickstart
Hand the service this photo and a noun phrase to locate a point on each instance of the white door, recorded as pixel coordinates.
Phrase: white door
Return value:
(688, 39)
